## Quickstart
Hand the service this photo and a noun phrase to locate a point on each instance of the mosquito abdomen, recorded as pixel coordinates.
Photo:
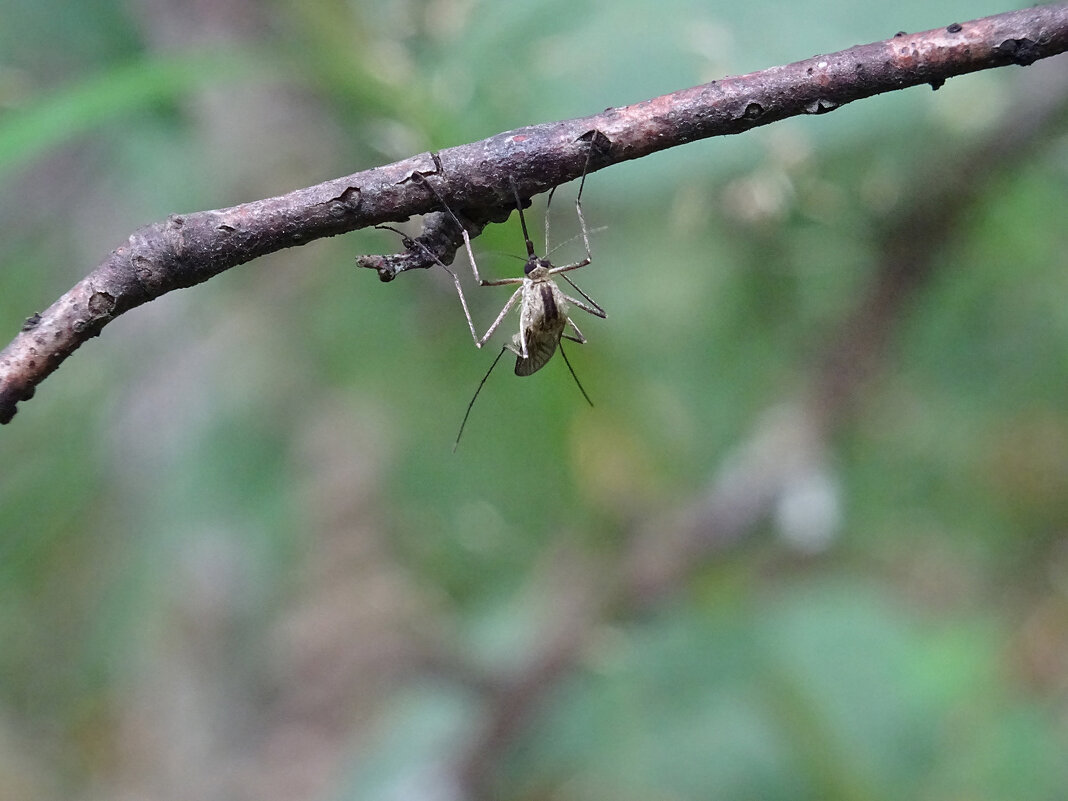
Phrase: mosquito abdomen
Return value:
(549, 303)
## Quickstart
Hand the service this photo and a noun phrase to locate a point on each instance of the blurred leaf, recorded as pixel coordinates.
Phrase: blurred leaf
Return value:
(34, 129)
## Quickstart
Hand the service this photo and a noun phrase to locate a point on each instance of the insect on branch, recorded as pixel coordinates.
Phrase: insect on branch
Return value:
(543, 307)
(188, 249)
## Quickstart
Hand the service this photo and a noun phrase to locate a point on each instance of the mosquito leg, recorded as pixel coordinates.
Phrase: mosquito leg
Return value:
(467, 247)
(472, 403)
(548, 203)
(463, 230)
(572, 371)
(522, 218)
(594, 308)
(578, 206)
(463, 302)
(410, 243)
(582, 220)
(578, 265)
(518, 345)
(579, 336)
(507, 307)
(582, 224)
(474, 266)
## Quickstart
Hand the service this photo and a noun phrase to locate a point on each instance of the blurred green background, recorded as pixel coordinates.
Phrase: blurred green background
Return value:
(238, 559)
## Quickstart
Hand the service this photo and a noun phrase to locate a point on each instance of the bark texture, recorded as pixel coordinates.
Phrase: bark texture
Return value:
(475, 179)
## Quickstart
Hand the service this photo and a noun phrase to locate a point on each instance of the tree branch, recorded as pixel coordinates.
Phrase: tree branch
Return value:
(474, 179)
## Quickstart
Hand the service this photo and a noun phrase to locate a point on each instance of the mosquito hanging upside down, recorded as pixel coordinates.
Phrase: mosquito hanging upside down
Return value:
(543, 307)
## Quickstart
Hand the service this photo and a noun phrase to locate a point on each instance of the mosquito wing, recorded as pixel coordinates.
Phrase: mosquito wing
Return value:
(542, 320)
(540, 348)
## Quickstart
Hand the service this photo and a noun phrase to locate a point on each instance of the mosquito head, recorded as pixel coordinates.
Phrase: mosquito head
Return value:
(533, 263)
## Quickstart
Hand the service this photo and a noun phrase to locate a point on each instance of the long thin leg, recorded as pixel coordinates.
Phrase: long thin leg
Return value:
(479, 342)
(548, 203)
(507, 307)
(569, 267)
(578, 205)
(467, 247)
(579, 336)
(549, 253)
(593, 309)
(472, 403)
(463, 302)
(582, 222)
(522, 218)
(409, 243)
(467, 238)
(572, 371)
(520, 351)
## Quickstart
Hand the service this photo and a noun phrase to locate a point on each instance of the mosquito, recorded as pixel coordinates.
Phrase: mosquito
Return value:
(543, 307)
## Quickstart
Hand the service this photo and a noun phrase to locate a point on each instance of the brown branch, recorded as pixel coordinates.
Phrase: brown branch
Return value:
(474, 179)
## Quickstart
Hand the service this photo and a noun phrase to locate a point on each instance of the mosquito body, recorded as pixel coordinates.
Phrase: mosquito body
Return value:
(542, 320)
(543, 307)
(543, 311)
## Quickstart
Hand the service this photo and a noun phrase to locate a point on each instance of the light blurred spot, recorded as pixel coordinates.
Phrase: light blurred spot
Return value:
(389, 61)
(964, 107)
(447, 19)
(612, 469)
(482, 527)
(762, 196)
(808, 513)
(711, 40)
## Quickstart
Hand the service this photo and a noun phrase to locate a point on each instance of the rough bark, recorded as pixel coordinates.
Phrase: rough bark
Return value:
(475, 179)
